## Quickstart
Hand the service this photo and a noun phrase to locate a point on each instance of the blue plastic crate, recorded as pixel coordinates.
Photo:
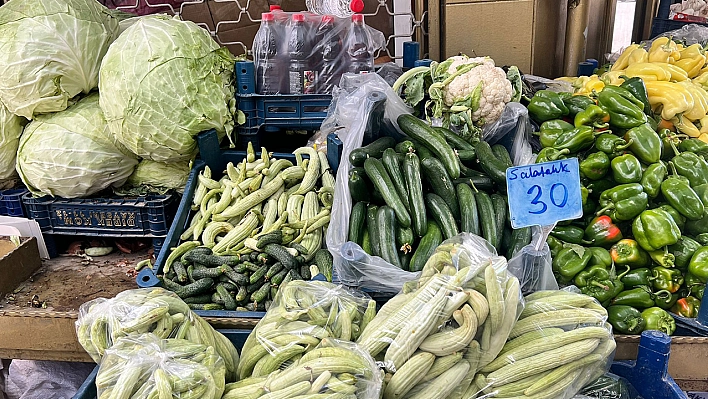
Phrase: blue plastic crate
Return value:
(146, 216)
(87, 390)
(11, 202)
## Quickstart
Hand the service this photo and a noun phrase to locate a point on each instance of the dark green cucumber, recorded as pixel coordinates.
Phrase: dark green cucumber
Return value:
(262, 258)
(505, 240)
(242, 294)
(359, 187)
(170, 285)
(404, 238)
(357, 220)
(211, 260)
(500, 210)
(469, 218)
(467, 155)
(502, 154)
(229, 301)
(366, 242)
(386, 225)
(433, 140)
(206, 306)
(441, 183)
(198, 287)
(252, 267)
(295, 275)
(299, 248)
(478, 183)
(404, 147)
(258, 274)
(406, 260)
(455, 141)
(392, 163)
(441, 214)
(180, 271)
(274, 237)
(254, 256)
(216, 298)
(204, 298)
(519, 239)
(373, 150)
(490, 164)
(281, 254)
(423, 151)
(487, 220)
(278, 278)
(251, 288)
(214, 272)
(227, 283)
(426, 247)
(324, 262)
(245, 258)
(261, 294)
(305, 272)
(376, 172)
(414, 183)
(373, 230)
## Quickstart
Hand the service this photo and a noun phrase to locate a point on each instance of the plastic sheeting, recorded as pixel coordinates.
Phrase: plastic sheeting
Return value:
(33, 379)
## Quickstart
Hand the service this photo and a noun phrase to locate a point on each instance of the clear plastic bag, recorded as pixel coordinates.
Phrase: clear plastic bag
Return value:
(145, 366)
(689, 33)
(302, 314)
(608, 386)
(147, 310)
(333, 367)
(433, 336)
(561, 342)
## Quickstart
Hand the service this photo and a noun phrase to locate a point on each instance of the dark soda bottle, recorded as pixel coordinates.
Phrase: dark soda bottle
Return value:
(330, 49)
(266, 50)
(301, 75)
(361, 58)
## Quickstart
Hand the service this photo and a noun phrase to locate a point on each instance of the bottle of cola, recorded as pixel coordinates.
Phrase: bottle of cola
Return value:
(266, 51)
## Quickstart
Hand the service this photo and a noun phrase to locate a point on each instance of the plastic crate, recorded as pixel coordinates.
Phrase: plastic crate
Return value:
(145, 216)
(87, 390)
(217, 161)
(268, 114)
(11, 202)
(662, 25)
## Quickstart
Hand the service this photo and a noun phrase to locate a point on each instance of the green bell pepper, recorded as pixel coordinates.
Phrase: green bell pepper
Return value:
(645, 143)
(702, 191)
(600, 256)
(624, 202)
(697, 227)
(602, 231)
(638, 89)
(696, 146)
(595, 166)
(595, 274)
(652, 178)
(627, 252)
(625, 319)
(594, 116)
(550, 130)
(575, 140)
(577, 104)
(637, 277)
(698, 266)
(551, 154)
(694, 285)
(626, 169)
(660, 320)
(546, 105)
(683, 250)
(687, 307)
(654, 229)
(665, 299)
(692, 167)
(611, 145)
(667, 279)
(597, 187)
(571, 260)
(702, 238)
(600, 289)
(625, 110)
(638, 297)
(555, 245)
(675, 215)
(571, 234)
(682, 197)
(662, 257)
(669, 141)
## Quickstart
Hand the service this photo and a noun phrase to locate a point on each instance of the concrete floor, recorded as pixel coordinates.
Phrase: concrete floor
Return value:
(624, 21)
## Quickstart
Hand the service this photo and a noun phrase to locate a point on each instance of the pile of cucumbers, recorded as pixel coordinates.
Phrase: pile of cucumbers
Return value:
(409, 196)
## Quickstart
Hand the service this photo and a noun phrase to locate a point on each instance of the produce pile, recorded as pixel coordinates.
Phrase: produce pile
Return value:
(643, 199)
(410, 196)
(162, 82)
(258, 226)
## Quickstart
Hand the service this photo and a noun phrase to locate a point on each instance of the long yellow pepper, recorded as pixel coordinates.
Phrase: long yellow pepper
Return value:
(648, 72)
(692, 60)
(612, 78)
(623, 60)
(700, 100)
(664, 49)
(685, 126)
(673, 98)
(637, 56)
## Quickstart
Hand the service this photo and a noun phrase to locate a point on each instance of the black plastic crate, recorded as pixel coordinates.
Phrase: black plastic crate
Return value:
(11, 202)
(662, 25)
(145, 216)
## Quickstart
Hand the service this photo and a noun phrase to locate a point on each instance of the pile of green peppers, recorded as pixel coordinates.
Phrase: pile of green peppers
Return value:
(641, 248)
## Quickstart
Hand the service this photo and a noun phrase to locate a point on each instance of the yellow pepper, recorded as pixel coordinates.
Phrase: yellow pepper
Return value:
(704, 125)
(685, 126)
(613, 78)
(648, 72)
(673, 98)
(700, 101)
(677, 74)
(592, 84)
(664, 49)
(692, 60)
(680, 47)
(623, 60)
(701, 80)
(638, 55)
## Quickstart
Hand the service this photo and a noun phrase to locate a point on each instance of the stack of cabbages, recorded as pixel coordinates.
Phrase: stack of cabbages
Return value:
(160, 82)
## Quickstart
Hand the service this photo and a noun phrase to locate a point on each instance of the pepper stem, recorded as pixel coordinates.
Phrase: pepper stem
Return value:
(599, 284)
(663, 294)
(625, 145)
(673, 146)
(672, 167)
(625, 272)
(605, 209)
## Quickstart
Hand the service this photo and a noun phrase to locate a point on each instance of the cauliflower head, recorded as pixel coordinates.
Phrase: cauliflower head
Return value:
(463, 60)
(496, 91)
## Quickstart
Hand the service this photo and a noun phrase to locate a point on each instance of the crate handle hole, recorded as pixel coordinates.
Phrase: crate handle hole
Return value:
(243, 70)
(314, 109)
(146, 279)
(245, 87)
(282, 109)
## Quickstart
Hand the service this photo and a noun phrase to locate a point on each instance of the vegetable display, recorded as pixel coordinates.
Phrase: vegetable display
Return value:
(411, 195)
(71, 154)
(258, 226)
(644, 207)
(52, 51)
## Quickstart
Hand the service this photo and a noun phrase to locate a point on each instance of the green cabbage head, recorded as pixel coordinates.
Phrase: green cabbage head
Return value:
(162, 82)
(172, 175)
(50, 51)
(70, 153)
(10, 130)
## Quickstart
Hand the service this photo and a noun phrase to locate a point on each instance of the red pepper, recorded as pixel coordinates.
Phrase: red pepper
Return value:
(686, 307)
(601, 231)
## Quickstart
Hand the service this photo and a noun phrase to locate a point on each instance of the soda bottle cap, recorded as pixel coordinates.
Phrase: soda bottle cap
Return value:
(275, 7)
(357, 17)
(327, 19)
(298, 17)
(357, 6)
(266, 16)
